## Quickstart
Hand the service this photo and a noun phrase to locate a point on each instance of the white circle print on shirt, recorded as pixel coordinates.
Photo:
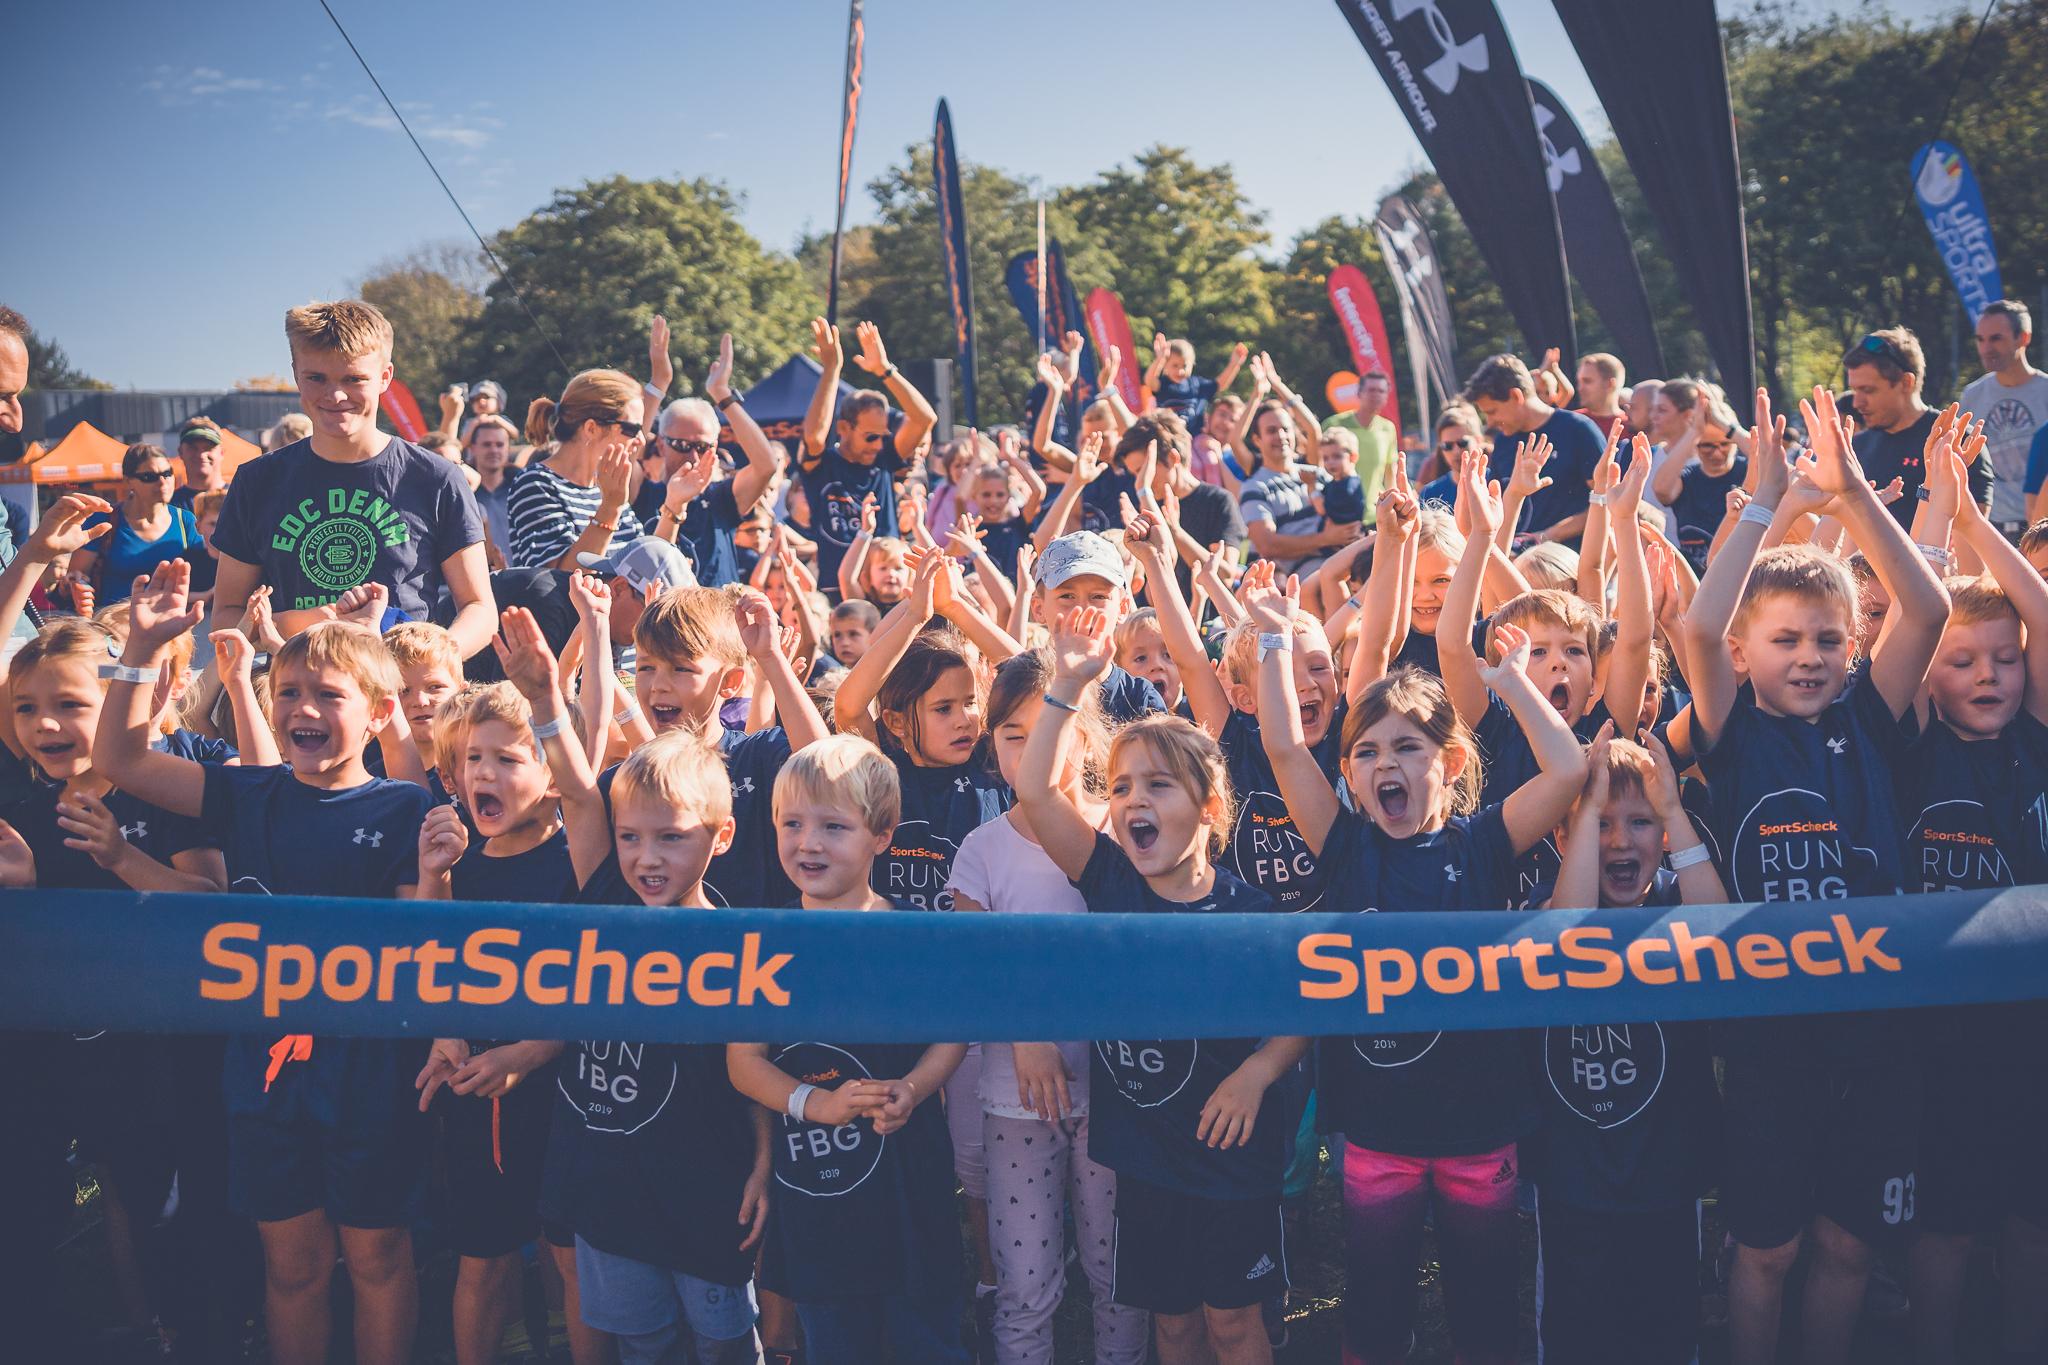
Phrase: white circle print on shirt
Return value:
(819, 1159)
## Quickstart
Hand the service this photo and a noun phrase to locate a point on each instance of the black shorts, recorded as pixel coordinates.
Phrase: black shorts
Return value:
(492, 1155)
(362, 1178)
(1618, 1288)
(1178, 1253)
(1967, 1125)
(1808, 1136)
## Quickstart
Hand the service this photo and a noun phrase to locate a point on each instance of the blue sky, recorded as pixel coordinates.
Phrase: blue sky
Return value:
(184, 173)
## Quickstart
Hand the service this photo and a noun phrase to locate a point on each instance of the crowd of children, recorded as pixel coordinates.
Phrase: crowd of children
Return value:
(1022, 715)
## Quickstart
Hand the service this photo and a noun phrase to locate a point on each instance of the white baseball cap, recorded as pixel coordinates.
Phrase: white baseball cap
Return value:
(1078, 553)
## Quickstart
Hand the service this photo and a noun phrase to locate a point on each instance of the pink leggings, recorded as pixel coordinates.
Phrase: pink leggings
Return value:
(1386, 1199)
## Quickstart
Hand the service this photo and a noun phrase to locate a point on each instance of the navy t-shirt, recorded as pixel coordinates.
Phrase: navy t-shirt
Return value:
(1976, 811)
(1576, 446)
(1189, 397)
(282, 837)
(317, 528)
(1507, 762)
(835, 487)
(1423, 1094)
(156, 832)
(1127, 697)
(941, 806)
(1700, 507)
(1265, 849)
(195, 746)
(1630, 1112)
(706, 534)
(856, 1213)
(539, 875)
(749, 874)
(1148, 1093)
(650, 1153)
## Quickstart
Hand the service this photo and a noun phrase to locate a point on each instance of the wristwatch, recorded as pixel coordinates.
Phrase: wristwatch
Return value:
(727, 401)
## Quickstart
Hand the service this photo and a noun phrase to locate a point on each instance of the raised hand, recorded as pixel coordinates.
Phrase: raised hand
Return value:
(524, 655)
(868, 513)
(1605, 471)
(258, 623)
(1479, 495)
(590, 595)
(760, 633)
(161, 607)
(1773, 471)
(451, 403)
(1112, 365)
(1834, 465)
(1664, 799)
(718, 383)
(1159, 346)
(1050, 375)
(1513, 643)
(661, 371)
(1088, 465)
(63, 529)
(443, 841)
(1272, 605)
(615, 475)
(364, 605)
(964, 540)
(873, 357)
(825, 345)
(233, 655)
(1531, 454)
(1027, 556)
(1083, 644)
(1627, 493)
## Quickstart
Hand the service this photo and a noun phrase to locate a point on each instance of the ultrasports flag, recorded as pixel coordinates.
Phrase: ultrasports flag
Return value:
(1596, 242)
(953, 245)
(1954, 208)
(1062, 309)
(1678, 132)
(1453, 72)
(403, 410)
(1109, 326)
(1358, 313)
(849, 121)
(1419, 280)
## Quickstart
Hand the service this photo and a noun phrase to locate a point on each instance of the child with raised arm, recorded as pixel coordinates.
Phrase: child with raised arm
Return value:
(862, 1232)
(1973, 791)
(1823, 1113)
(655, 1163)
(1434, 1115)
(325, 1135)
(1186, 1125)
(1630, 1124)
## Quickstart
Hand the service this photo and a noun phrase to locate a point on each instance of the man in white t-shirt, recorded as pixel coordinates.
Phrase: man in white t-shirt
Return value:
(2011, 399)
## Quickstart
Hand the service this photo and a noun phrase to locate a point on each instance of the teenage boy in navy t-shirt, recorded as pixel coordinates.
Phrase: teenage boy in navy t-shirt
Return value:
(325, 1137)
(1505, 395)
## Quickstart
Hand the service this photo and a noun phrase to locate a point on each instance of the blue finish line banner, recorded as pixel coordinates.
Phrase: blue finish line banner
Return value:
(215, 964)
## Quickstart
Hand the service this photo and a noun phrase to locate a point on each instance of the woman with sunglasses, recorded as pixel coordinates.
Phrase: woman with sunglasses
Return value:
(148, 529)
(574, 502)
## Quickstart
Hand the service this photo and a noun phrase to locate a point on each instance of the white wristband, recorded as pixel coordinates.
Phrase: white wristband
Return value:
(123, 673)
(1275, 642)
(628, 713)
(1938, 554)
(1680, 859)
(1596, 499)
(797, 1099)
(549, 729)
(1756, 514)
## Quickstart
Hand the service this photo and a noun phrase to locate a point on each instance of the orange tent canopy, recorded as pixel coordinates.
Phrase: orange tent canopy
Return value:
(85, 455)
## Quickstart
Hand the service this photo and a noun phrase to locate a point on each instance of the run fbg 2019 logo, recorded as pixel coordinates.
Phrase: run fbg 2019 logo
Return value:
(822, 1159)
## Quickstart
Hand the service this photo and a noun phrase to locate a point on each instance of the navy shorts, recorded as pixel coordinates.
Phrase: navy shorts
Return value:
(1618, 1288)
(281, 1169)
(492, 1155)
(1178, 1253)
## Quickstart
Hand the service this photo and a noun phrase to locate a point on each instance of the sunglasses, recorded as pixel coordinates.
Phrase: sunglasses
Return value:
(692, 448)
(153, 475)
(626, 429)
(1462, 443)
(1884, 346)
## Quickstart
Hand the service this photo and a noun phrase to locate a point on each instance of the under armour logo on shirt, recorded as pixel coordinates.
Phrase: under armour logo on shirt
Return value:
(961, 784)
(373, 837)
(138, 830)
(743, 787)
(1450, 872)
(1839, 745)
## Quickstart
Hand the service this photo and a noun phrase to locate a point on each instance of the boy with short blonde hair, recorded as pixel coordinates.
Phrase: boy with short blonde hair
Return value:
(430, 672)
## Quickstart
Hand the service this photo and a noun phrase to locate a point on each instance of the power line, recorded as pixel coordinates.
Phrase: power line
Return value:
(504, 275)
(1947, 105)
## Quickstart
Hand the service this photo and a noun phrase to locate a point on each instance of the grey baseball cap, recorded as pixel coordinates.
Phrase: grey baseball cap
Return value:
(644, 562)
(1077, 553)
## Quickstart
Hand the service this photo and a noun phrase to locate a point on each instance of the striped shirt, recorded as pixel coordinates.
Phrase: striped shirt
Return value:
(549, 513)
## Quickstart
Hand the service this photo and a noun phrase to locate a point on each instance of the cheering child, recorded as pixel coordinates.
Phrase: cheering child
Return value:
(655, 1163)
(324, 1135)
(1822, 1113)
(1422, 1115)
(1630, 1116)
(1034, 1096)
(862, 1231)
(1185, 1124)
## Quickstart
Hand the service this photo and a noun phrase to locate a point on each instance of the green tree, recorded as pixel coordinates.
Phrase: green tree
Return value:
(599, 261)
(1306, 341)
(50, 368)
(431, 295)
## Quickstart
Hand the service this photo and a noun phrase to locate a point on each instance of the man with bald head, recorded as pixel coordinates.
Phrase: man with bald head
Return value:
(700, 510)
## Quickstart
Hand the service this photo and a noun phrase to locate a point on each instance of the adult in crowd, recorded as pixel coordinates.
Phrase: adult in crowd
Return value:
(1884, 372)
(2011, 399)
(148, 529)
(1458, 430)
(293, 426)
(849, 452)
(1700, 467)
(575, 501)
(1601, 380)
(462, 409)
(199, 452)
(1641, 407)
(489, 453)
(351, 505)
(1379, 445)
(1275, 501)
(701, 508)
(638, 572)
(1208, 516)
(1504, 394)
